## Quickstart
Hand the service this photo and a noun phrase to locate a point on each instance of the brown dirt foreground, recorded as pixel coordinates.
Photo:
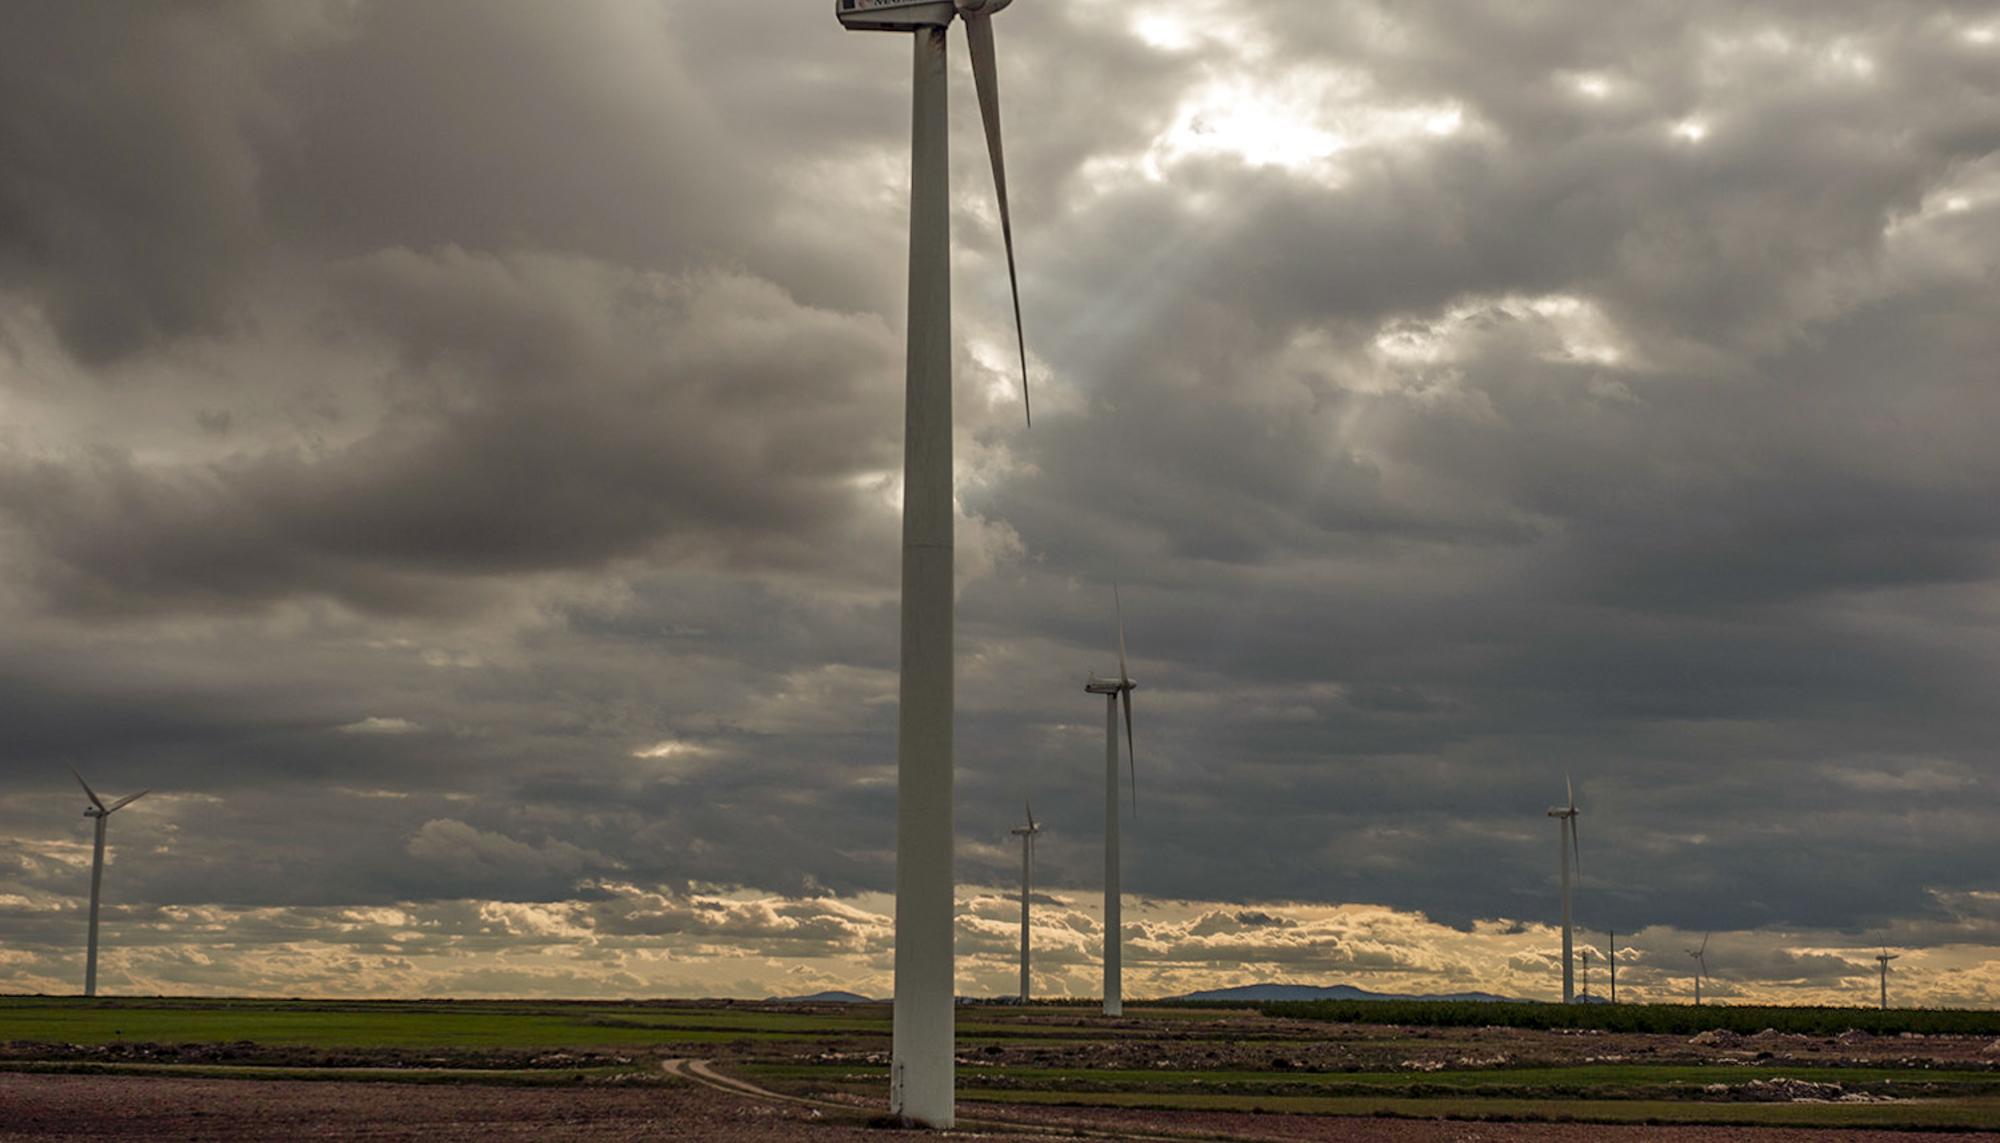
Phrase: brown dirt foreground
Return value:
(35, 1107)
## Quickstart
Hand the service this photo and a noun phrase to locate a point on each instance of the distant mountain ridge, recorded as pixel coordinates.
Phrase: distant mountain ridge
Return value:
(1267, 992)
(833, 997)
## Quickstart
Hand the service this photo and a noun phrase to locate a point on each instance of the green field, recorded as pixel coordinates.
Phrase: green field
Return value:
(455, 1024)
(415, 1024)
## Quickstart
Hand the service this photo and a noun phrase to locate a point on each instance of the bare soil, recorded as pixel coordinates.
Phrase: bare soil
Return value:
(41, 1108)
(1289, 1128)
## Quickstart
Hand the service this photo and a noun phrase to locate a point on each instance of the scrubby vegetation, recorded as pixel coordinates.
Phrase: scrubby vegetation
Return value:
(1670, 1019)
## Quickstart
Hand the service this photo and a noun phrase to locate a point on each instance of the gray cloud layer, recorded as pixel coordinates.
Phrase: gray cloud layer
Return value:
(453, 447)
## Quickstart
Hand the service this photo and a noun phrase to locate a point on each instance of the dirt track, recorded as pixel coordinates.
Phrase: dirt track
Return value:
(103, 1108)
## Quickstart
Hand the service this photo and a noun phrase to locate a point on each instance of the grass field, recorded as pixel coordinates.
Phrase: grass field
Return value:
(1168, 1058)
(415, 1024)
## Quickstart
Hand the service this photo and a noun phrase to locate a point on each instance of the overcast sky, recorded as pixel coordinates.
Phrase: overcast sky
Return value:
(450, 453)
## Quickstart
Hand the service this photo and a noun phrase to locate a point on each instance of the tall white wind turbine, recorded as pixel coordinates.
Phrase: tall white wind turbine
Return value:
(1027, 835)
(1116, 692)
(1884, 960)
(921, 1079)
(1566, 852)
(97, 809)
(1700, 956)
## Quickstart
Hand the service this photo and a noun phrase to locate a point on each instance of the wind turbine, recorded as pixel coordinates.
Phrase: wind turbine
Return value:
(97, 809)
(1884, 960)
(921, 1079)
(1700, 956)
(1027, 835)
(1611, 961)
(1566, 849)
(1115, 692)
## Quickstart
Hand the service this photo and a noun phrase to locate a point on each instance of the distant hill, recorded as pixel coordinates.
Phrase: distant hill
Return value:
(835, 997)
(1267, 992)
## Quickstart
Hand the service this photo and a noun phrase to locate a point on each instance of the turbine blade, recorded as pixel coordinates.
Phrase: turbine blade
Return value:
(1575, 849)
(1571, 787)
(1030, 806)
(1131, 751)
(1704, 943)
(126, 801)
(986, 76)
(94, 799)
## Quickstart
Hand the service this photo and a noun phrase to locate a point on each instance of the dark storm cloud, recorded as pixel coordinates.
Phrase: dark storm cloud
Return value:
(452, 447)
(728, 440)
(131, 205)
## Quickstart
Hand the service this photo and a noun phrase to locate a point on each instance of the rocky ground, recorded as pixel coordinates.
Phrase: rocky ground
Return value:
(1257, 1043)
(250, 1054)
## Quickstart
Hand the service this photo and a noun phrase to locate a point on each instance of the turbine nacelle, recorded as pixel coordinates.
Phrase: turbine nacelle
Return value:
(894, 15)
(1102, 686)
(1029, 830)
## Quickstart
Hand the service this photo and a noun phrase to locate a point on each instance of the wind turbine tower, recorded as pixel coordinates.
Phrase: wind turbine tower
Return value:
(1700, 956)
(1611, 961)
(921, 1083)
(1566, 851)
(1027, 835)
(1586, 974)
(1884, 960)
(1116, 692)
(97, 809)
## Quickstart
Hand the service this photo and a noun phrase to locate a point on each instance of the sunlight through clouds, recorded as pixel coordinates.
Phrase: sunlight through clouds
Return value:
(671, 749)
(1574, 329)
(1297, 123)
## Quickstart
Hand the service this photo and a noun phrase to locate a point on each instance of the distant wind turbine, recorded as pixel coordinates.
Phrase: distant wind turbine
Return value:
(1700, 956)
(921, 1080)
(1566, 851)
(1884, 960)
(1115, 692)
(1027, 835)
(1611, 960)
(97, 809)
